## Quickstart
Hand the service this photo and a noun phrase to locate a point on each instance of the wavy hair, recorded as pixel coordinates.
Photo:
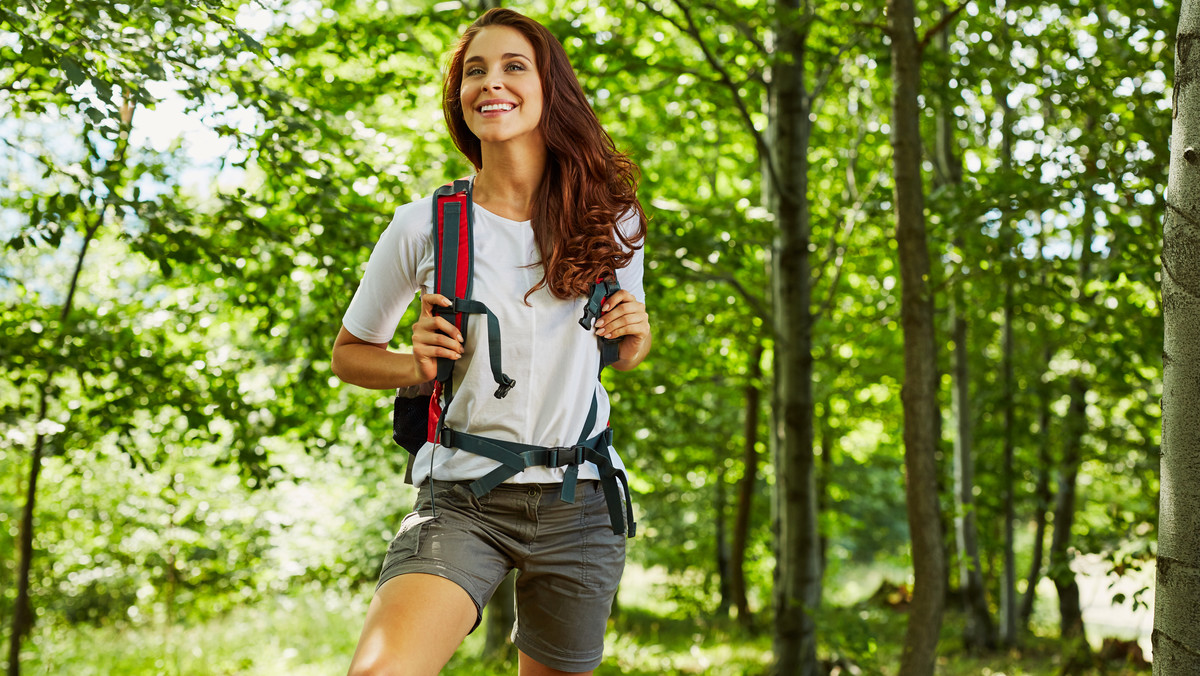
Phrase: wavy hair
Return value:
(587, 185)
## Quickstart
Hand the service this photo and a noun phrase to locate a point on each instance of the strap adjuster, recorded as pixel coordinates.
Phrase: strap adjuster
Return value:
(505, 387)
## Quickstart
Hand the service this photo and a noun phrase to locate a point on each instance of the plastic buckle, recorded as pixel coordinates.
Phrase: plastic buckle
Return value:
(505, 388)
(560, 456)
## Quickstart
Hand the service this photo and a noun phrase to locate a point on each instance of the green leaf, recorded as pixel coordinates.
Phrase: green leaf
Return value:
(248, 40)
(74, 72)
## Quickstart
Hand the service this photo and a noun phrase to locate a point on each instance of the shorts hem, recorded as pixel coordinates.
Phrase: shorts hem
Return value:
(557, 660)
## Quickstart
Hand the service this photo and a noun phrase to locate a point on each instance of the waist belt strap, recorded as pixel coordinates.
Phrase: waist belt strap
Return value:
(515, 457)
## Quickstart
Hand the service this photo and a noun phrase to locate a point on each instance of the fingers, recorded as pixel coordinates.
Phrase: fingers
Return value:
(623, 316)
(428, 300)
(435, 337)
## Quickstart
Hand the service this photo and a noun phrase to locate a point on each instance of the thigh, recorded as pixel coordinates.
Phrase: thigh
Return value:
(449, 536)
(566, 588)
(414, 624)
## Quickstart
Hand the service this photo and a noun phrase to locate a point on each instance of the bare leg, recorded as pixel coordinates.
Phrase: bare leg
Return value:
(531, 667)
(414, 624)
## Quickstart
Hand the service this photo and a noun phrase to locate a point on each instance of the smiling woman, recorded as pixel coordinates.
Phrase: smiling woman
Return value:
(554, 217)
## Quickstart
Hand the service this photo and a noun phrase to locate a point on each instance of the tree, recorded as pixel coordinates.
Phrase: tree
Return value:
(921, 411)
(798, 574)
(978, 632)
(89, 63)
(1176, 635)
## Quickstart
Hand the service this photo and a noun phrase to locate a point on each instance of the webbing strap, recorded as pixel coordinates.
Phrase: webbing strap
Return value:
(610, 348)
(571, 476)
(463, 306)
(454, 263)
(515, 457)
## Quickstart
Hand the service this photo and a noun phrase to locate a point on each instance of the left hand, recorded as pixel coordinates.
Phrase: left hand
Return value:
(622, 316)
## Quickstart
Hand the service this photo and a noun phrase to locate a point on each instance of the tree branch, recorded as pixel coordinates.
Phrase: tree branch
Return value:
(849, 221)
(938, 28)
(693, 31)
(822, 77)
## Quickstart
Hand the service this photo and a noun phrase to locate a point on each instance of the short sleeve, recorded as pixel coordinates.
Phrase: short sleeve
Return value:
(393, 276)
(630, 276)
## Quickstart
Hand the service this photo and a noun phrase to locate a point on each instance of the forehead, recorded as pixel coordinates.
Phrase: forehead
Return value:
(494, 42)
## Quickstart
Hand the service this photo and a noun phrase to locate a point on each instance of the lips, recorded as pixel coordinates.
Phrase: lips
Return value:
(495, 107)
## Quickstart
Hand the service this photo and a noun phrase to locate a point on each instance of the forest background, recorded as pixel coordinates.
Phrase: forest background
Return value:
(191, 191)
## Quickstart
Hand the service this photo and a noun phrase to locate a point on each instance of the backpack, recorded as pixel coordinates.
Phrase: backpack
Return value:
(418, 415)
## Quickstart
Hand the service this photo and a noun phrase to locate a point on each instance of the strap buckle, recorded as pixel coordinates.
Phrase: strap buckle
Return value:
(505, 387)
(565, 455)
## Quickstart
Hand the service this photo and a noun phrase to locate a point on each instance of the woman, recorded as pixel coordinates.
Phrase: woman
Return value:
(555, 210)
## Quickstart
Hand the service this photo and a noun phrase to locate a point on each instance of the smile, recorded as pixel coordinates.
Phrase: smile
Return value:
(496, 107)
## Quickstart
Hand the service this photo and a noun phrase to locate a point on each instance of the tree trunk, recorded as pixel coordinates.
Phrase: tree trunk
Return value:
(979, 633)
(745, 496)
(722, 546)
(1008, 576)
(23, 608)
(1070, 610)
(1064, 518)
(501, 615)
(1176, 635)
(1043, 496)
(920, 388)
(797, 590)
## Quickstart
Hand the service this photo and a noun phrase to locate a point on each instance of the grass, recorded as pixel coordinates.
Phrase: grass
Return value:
(313, 632)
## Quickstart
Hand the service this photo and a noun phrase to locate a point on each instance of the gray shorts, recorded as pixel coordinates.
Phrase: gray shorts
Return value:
(570, 560)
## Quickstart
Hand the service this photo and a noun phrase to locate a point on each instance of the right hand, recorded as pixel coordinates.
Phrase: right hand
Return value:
(434, 337)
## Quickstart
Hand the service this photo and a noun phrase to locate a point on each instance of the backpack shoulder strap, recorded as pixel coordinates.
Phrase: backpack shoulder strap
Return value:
(454, 256)
(454, 272)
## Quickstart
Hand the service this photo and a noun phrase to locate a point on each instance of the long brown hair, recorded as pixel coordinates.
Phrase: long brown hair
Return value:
(587, 186)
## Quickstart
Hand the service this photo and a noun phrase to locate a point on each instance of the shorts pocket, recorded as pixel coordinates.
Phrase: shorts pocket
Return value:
(408, 539)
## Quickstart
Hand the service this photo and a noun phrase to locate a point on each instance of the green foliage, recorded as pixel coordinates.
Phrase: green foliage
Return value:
(202, 458)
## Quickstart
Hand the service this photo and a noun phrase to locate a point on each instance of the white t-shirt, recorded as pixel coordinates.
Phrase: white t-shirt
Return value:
(553, 360)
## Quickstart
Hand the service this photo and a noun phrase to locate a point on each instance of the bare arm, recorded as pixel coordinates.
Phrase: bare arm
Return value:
(624, 317)
(373, 366)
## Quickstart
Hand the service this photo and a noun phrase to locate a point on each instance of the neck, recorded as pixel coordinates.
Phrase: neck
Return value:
(509, 178)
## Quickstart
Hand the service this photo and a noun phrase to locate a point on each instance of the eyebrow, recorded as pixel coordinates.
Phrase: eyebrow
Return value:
(508, 55)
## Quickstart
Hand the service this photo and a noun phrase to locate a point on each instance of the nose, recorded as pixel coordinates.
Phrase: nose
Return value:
(491, 84)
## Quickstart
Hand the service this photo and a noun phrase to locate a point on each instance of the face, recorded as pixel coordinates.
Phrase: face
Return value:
(501, 89)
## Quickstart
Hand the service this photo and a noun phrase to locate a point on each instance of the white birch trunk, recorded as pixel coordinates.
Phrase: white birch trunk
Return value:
(1176, 635)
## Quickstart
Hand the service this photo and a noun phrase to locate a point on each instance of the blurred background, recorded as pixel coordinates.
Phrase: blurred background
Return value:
(190, 191)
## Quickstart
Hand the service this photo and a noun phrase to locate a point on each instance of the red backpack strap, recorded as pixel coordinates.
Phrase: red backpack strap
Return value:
(454, 268)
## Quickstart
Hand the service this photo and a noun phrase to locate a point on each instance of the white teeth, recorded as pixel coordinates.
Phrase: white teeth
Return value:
(496, 106)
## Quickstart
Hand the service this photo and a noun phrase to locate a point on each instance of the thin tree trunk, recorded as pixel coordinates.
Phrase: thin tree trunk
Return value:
(979, 633)
(1043, 496)
(824, 469)
(23, 607)
(920, 353)
(722, 547)
(1176, 635)
(746, 486)
(797, 592)
(1069, 607)
(1008, 577)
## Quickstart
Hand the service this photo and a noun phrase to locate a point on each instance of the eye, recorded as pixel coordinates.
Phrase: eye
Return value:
(515, 66)
(474, 70)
